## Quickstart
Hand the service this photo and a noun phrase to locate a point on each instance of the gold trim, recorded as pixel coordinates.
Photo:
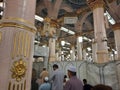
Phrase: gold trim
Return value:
(13, 87)
(23, 42)
(22, 36)
(29, 45)
(14, 46)
(18, 19)
(9, 86)
(52, 22)
(18, 46)
(27, 48)
(20, 43)
(26, 45)
(47, 19)
(18, 87)
(0, 36)
(21, 86)
(17, 25)
(25, 85)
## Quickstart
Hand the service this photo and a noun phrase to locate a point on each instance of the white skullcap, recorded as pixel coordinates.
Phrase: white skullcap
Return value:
(72, 68)
(46, 79)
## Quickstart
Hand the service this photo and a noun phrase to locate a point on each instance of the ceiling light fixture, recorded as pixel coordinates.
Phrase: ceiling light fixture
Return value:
(39, 18)
(111, 20)
(80, 39)
(67, 30)
(62, 43)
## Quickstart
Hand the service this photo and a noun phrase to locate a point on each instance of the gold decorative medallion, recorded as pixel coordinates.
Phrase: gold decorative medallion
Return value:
(18, 70)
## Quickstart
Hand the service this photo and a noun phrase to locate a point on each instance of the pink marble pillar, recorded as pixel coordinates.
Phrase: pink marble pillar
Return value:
(99, 30)
(116, 29)
(16, 44)
(73, 53)
(49, 30)
(52, 49)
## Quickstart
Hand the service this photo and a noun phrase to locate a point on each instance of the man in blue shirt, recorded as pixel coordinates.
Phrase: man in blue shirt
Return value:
(46, 85)
(57, 78)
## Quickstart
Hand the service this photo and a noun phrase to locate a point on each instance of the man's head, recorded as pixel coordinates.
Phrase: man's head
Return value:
(55, 66)
(71, 71)
(46, 79)
(85, 81)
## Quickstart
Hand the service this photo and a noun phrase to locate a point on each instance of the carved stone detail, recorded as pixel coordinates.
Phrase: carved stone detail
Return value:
(93, 4)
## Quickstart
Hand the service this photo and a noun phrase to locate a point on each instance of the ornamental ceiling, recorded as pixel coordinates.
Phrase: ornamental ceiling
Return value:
(59, 9)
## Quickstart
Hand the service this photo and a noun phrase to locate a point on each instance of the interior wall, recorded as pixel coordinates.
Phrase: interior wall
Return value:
(107, 73)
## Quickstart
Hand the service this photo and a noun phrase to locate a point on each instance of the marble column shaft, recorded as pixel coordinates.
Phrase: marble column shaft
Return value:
(52, 49)
(99, 30)
(79, 50)
(73, 53)
(116, 29)
(16, 44)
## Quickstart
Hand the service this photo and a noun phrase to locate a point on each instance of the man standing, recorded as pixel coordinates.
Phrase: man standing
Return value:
(73, 83)
(43, 74)
(86, 86)
(57, 78)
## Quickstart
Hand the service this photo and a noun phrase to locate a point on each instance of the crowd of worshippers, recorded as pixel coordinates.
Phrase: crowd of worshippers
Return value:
(59, 81)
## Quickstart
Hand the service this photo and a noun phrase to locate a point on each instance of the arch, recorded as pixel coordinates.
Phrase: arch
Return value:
(81, 21)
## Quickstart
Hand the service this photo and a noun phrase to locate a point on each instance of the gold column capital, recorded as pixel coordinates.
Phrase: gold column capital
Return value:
(93, 4)
(52, 22)
(47, 19)
(50, 26)
(116, 26)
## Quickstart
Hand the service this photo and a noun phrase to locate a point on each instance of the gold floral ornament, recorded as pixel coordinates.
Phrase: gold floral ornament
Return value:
(18, 70)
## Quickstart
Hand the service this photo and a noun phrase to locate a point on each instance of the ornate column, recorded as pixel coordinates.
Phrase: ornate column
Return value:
(17, 33)
(99, 29)
(116, 29)
(49, 31)
(79, 50)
